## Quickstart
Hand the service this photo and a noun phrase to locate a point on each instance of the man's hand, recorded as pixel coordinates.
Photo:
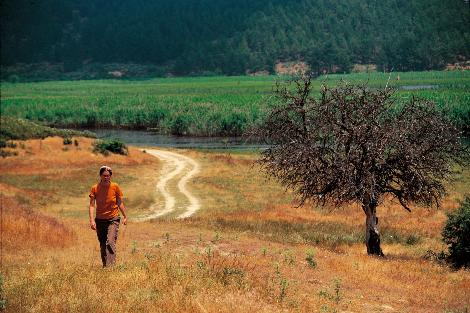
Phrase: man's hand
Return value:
(93, 224)
(124, 220)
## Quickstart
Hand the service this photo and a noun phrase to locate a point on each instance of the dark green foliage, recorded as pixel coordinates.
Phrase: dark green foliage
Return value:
(14, 128)
(234, 124)
(13, 78)
(456, 234)
(67, 141)
(3, 301)
(110, 145)
(412, 240)
(19, 129)
(7, 144)
(45, 71)
(310, 259)
(439, 257)
(154, 38)
(5, 153)
(180, 125)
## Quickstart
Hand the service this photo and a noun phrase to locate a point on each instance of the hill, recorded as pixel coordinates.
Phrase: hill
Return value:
(231, 36)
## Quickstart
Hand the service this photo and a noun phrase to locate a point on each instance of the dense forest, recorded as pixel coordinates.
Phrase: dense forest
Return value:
(235, 36)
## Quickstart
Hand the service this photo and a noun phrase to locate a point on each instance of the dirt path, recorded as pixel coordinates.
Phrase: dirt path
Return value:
(175, 167)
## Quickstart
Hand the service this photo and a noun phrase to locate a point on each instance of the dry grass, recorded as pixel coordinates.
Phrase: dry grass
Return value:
(55, 177)
(245, 251)
(24, 229)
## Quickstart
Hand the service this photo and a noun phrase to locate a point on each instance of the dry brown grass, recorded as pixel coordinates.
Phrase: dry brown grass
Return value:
(47, 176)
(245, 251)
(23, 228)
(50, 156)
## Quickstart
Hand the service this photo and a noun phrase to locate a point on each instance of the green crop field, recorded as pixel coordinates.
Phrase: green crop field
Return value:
(203, 106)
(449, 90)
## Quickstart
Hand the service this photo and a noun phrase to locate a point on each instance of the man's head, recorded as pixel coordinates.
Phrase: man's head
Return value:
(105, 173)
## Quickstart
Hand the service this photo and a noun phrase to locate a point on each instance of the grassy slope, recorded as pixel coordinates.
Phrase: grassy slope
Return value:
(198, 106)
(245, 251)
(15, 128)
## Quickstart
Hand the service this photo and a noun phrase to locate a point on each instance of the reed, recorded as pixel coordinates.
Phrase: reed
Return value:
(204, 106)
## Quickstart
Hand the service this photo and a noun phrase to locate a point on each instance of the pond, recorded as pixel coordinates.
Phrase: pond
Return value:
(151, 139)
(418, 87)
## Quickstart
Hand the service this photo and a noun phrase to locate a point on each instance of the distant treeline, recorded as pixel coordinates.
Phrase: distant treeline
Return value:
(235, 36)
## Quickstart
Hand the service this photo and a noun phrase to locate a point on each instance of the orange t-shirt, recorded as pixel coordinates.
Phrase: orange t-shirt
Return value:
(106, 200)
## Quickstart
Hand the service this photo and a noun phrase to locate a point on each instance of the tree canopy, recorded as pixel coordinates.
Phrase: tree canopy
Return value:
(356, 144)
(236, 36)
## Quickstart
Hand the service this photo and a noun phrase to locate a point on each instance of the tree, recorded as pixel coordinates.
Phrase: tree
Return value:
(357, 144)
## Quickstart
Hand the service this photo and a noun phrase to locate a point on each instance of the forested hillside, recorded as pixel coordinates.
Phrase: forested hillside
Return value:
(236, 36)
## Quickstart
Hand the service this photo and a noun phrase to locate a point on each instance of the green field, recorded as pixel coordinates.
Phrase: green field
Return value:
(203, 106)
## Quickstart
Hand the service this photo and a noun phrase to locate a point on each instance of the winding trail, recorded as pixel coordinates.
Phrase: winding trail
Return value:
(174, 166)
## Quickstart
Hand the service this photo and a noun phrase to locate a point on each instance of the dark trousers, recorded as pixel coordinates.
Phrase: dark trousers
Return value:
(107, 231)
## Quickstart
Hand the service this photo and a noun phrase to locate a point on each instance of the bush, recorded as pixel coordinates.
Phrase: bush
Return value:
(110, 145)
(3, 301)
(456, 234)
(6, 153)
(67, 141)
(310, 259)
(7, 144)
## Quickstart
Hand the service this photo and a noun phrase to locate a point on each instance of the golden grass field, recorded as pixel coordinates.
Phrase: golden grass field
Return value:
(249, 249)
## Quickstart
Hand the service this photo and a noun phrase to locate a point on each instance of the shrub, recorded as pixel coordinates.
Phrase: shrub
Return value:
(310, 259)
(4, 143)
(110, 145)
(412, 240)
(439, 257)
(67, 141)
(11, 144)
(5, 153)
(456, 234)
(3, 301)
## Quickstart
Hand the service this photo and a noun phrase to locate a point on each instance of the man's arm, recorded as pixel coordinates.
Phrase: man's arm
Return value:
(122, 209)
(91, 213)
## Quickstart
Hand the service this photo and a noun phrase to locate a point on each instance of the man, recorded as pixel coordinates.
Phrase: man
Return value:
(106, 197)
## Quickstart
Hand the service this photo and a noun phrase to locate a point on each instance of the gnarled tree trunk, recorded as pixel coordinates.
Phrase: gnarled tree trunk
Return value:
(372, 230)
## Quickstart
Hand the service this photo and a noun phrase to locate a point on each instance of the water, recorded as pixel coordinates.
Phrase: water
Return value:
(418, 87)
(150, 139)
